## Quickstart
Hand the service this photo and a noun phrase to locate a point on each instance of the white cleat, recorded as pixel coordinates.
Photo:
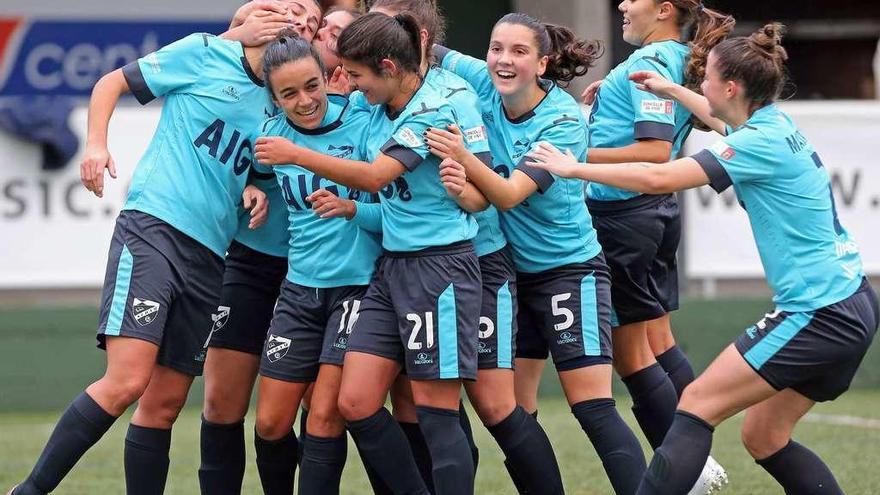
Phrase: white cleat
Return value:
(11, 490)
(712, 479)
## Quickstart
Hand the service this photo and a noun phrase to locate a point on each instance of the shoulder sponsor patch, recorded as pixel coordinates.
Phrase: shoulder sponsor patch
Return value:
(721, 149)
(658, 107)
(475, 134)
(153, 61)
(408, 137)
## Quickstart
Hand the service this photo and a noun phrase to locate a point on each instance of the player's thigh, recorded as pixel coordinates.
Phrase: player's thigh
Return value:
(586, 383)
(277, 405)
(163, 399)
(324, 419)
(403, 405)
(229, 381)
(527, 381)
(366, 379)
(492, 394)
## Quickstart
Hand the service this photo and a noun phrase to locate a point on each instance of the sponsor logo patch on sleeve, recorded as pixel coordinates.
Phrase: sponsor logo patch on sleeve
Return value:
(721, 149)
(153, 61)
(658, 107)
(475, 134)
(408, 137)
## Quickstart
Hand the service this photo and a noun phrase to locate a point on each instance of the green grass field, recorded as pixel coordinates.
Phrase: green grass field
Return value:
(852, 453)
(47, 357)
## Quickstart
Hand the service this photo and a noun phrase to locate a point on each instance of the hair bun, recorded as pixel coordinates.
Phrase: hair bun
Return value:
(768, 40)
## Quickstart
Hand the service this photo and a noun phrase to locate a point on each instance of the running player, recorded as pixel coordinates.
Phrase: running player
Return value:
(563, 285)
(165, 264)
(493, 392)
(640, 233)
(422, 308)
(826, 314)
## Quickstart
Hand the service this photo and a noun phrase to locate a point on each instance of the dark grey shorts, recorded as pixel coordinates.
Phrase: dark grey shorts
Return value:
(497, 346)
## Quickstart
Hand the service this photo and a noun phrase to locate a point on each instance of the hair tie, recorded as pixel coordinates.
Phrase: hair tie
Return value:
(700, 8)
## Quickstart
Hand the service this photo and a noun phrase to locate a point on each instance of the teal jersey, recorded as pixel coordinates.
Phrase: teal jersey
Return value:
(809, 259)
(464, 99)
(194, 169)
(271, 238)
(552, 227)
(623, 114)
(417, 213)
(331, 252)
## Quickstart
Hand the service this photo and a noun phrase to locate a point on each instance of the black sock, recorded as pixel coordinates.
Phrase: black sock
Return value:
(146, 460)
(421, 454)
(376, 484)
(529, 453)
(322, 463)
(654, 401)
(450, 454)
(223, 458)
(617, 446)
(677, 463)
(276, 463)
(800, 471)
(384, 447)
(303, 418)
(677, 366)
(469, 434)
(81, 425)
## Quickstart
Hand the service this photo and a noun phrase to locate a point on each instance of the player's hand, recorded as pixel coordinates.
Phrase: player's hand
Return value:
(653, 83)
(339, 82)
(325, 204)
(547, 157)
(253, 6)
(453, 177)
(446, 143)
(275, 150)
(91, 169)
(257, 202)
(589, 94)
(259, 28)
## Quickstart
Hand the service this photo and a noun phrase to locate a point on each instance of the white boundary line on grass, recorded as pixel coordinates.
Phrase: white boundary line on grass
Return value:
(843, 420)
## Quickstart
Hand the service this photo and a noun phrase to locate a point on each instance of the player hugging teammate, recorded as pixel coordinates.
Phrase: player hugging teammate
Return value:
(428, 233)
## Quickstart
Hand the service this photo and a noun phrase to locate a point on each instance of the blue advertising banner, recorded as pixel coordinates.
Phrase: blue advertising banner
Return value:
(67, 57)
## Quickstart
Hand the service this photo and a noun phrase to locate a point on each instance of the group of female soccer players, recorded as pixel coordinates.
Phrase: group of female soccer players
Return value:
(431, 230)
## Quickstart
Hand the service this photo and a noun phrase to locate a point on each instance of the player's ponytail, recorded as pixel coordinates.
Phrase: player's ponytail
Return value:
(756, 61)
(426, 12)
(709, 28)
(375, 37)
(567, 55)
(287, 47)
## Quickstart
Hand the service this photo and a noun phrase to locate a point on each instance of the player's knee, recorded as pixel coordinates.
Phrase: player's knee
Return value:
(325, 421)
(763, 442)
(223, 410)
(123, 392)
(492, 412)
(160, 412)
(352, 407)
(271, 425)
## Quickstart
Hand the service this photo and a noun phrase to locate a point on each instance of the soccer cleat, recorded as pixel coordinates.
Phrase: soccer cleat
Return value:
(712, 479)
(12, 490)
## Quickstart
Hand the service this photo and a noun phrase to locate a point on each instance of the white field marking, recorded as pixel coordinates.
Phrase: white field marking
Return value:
(843, 420)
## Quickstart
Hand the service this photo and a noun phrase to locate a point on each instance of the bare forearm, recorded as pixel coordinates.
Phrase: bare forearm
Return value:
(641, 151)
(105, 96)
(496, 189)
(472, 200)
(640, 177)
(350, 173)
(698, 105)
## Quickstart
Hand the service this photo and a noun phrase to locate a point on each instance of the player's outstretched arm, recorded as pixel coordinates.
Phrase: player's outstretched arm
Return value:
(96, 158)
(696, 103)
(454, 179)
(647, 178)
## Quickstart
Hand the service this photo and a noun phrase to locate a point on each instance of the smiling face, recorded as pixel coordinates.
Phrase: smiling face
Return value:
(377, 88)
(513, 58)
(639, 19)
(301, 91)
(305, 17)
(718, 92)
(327, 36)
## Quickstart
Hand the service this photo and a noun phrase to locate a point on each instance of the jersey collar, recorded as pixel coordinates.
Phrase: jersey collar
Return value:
(324, 129)
(547, 86)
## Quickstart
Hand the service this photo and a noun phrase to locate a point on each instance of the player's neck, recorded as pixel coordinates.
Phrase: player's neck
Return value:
(410, 83)
(517, 105)
(664, 32)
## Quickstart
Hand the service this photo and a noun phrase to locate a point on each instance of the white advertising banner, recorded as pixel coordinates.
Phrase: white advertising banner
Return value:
(718, 239)
(54, 233)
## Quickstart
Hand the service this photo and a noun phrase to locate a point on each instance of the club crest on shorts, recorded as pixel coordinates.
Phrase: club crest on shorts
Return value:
(277, 347)
(220, 318)
(144, 311)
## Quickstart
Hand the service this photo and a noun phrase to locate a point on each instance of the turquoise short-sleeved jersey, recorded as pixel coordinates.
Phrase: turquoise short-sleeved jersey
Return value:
(551, 227)
(417, 213)
(809, 258)
(622, 114)
(463, 97)
(272, 238)
(331, 252)
(194, 170)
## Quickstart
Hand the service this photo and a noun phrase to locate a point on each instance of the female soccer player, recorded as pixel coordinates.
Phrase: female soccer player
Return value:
(331, 262)
(826, 314)
(563, 285)
(519, 435)
(422, 307)
(166, 258)
(640, 233)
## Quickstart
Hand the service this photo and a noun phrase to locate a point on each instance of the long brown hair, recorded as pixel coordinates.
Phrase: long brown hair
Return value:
(709, 27)
(757, 61)
(426, 12)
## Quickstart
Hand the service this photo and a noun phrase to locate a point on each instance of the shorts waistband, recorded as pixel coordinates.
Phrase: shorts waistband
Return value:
(643, 201)
(237, 249)
(454, 248)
